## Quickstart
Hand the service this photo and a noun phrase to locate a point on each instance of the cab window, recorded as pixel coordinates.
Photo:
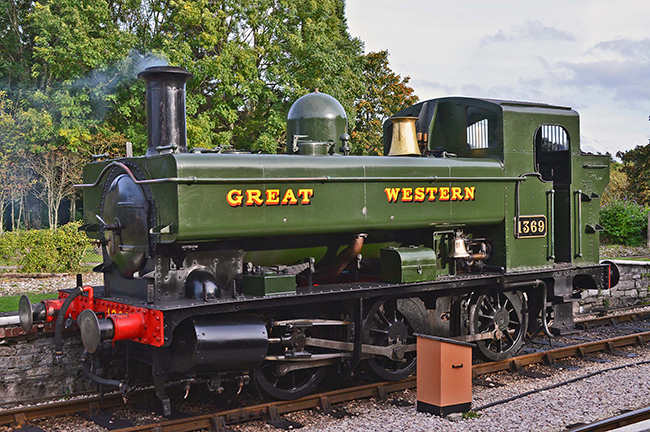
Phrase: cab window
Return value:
(481, 128)
(553, 138)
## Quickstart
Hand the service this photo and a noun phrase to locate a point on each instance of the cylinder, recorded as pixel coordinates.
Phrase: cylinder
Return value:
(166, 119)
(217, 344)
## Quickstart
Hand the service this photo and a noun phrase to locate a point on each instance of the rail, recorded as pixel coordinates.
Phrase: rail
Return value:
(615, 422)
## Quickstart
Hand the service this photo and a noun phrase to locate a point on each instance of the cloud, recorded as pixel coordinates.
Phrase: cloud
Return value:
(532, 30)
(636, 50)
(432, 85)
(627, 80)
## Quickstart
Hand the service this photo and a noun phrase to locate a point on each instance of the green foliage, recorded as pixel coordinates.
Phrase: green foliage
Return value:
(625, 222)
(385, 94)
(470, 415)
(68, 80)
(636, 165)
(618, 187)
(45, 251)
(252, 59)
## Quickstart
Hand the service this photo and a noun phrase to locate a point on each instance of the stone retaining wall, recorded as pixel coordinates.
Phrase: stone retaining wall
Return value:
(632, 289)
(27, 371)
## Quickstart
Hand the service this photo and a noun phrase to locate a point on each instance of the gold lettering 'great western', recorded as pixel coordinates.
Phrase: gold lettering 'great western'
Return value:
(269, 197)
(422, 194)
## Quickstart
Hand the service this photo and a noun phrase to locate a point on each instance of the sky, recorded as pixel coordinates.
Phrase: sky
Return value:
(593, 56)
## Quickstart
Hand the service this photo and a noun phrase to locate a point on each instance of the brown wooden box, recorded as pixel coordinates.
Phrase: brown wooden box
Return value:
(444, 377)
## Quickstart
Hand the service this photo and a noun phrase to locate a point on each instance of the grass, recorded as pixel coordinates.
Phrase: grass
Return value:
(90, 256)
(10, 303)
(635, 258)
(469, 415)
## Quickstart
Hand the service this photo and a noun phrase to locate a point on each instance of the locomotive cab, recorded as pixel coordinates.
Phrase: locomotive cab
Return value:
(537, 141)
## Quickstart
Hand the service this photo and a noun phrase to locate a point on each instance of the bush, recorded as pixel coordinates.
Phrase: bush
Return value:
(625, 222)
(45, 251)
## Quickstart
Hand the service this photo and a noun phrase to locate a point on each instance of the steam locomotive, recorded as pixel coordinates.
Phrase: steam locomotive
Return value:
(480, 224)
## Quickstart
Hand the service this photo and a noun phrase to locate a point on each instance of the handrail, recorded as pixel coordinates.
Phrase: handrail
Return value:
(551, 223)
(578, 200)
(320, 179)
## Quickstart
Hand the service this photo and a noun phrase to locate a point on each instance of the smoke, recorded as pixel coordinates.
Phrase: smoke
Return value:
(102, 84)
(108, 78)
(148, 60)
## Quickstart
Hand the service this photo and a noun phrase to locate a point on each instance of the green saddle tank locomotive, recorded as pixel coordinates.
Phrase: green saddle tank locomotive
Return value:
(480, 223)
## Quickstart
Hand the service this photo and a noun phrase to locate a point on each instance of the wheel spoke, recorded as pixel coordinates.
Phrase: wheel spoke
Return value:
(380, 314)
(510, 312)
(399, 319)
(390, 308)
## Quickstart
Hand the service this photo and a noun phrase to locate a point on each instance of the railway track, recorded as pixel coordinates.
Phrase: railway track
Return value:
(273, 411)
(619, 421)
(612, 320)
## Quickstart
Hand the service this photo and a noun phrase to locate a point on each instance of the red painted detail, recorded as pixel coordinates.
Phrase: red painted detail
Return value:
(52, 308)
(153, 333)
(90, 292)
(609, 277)
(128, 326)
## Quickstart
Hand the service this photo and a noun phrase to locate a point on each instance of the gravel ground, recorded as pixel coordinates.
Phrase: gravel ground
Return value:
(585, 401)
(14, 286)
(613, 313)
(620, 251)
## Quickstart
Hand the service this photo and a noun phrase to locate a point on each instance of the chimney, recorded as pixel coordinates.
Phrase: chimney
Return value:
(166, 128)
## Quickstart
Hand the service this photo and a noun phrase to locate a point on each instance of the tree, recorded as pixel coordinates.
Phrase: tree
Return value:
(54, 169)
(618, 188)
(60, 65)
(636, 165)
(385, 94)
(253, 58)
(68, 71)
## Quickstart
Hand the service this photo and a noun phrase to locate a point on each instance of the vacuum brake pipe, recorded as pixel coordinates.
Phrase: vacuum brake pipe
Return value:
(60, 320)
(122, 386)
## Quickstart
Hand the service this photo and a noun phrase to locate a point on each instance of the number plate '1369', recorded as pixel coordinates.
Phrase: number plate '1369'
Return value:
(530, 226)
